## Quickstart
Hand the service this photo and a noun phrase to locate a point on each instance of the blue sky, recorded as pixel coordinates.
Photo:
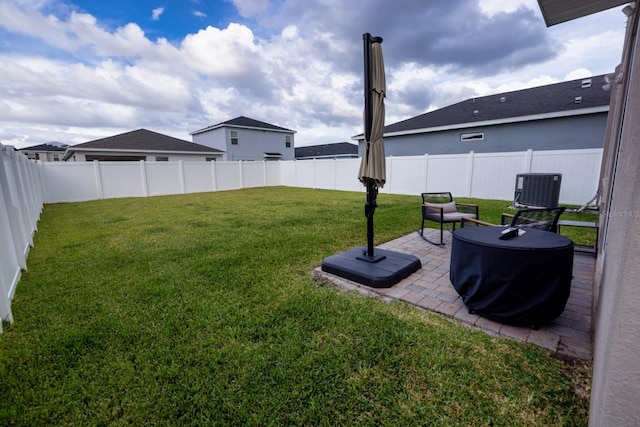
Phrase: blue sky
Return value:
(171, 19)
(77, 70)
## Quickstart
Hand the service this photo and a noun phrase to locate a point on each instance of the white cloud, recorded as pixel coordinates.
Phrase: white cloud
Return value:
(304, 74)
(251, 8)
(199, 14)
(155, 13)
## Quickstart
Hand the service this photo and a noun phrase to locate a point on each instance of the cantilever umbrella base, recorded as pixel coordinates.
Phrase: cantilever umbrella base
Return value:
(389, 268)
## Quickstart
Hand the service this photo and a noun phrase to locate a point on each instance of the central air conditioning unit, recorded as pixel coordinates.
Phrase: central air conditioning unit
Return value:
(537, 190)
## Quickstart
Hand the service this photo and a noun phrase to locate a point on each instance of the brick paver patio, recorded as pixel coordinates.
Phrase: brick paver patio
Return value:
(430, 289)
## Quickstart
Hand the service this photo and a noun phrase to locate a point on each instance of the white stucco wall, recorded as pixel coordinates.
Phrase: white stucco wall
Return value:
(252, 143)
(615, 388)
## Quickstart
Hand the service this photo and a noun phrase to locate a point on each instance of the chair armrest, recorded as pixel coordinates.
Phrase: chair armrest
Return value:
(475, 221)
(504, 217)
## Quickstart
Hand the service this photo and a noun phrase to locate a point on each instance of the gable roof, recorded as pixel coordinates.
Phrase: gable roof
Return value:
(575, 97)
(45, 147)
(327, 150)
(141, 140)
(244, 122)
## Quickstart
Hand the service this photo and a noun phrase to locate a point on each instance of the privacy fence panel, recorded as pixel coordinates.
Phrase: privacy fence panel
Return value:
(21, 200)
(69, 182)
(161, 178)
(253, 174)
(121, 179)
(198, 176)
(324, 172)
(494, 175)
(228, 176)
(448, 173)
(580, 171)
(405, 175)
(272, 173)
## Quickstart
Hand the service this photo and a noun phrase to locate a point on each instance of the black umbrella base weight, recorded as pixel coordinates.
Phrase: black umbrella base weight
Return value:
(388, 269)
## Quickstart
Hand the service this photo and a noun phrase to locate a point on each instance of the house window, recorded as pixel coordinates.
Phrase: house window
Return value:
(234, 137)
(477, 136)
(162, 159)
(56, 157)
(287, 141)
(32, 156)
(210, 159)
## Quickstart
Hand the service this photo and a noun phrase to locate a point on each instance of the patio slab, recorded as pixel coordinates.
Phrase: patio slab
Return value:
(430, 289)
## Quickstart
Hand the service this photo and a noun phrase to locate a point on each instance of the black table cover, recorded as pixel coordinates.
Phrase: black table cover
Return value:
(523, 281)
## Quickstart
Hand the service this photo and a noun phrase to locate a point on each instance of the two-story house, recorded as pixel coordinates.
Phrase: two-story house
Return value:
(47, 152)
(561, 116)
(244, 138)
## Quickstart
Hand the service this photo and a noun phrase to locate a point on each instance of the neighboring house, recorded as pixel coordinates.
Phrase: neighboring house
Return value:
(339, 150)
(243, 138)
(615, 385)
(141, 144)
(561, 116)
(48, 152)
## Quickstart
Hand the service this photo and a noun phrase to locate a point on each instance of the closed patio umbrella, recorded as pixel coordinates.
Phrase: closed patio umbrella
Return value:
(372, 171)
(373, 161)
(360, 264)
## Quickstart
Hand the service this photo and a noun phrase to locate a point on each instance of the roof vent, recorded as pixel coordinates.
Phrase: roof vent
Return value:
(476, 112)
(577, 100)
(586, 83)
(503, 99)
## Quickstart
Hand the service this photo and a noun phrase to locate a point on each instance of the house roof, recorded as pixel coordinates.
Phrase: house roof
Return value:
(244, 122)
(141, 140)
(45, 147)
(557, 11)
(575, 97)
(327, 150)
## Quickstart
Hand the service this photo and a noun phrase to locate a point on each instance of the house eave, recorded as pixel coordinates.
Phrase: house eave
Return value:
(508, 120)
(70, 152)
(559, 11)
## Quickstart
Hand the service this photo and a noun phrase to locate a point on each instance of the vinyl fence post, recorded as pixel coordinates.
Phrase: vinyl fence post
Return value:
(96, 172)
(470, 173)
(183, 184)
(143, 177)
(314, 173)
(425, 173)
(528, 160)
(214, 184)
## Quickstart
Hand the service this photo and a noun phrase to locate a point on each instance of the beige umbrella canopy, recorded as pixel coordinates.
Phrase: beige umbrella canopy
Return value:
(373, 161)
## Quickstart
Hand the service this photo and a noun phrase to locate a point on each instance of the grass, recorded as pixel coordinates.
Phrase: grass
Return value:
(201, 309)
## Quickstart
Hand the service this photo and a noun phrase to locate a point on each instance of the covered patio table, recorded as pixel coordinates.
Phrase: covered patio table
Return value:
(524, 281)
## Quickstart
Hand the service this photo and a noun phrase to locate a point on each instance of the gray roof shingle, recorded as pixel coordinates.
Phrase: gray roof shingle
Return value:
(45, 147)
(144, 140)
(324, 150)
(244, 122)
(549, 99)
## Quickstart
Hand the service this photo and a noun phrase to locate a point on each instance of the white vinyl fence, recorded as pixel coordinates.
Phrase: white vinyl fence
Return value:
(20, 208)
(479, 175)
(26, 185)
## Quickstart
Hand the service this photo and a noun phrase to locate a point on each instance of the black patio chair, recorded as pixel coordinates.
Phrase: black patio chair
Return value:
(441, 208)
(545, 219)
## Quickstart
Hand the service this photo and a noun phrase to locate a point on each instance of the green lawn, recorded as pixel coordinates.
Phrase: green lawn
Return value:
(201, 310)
